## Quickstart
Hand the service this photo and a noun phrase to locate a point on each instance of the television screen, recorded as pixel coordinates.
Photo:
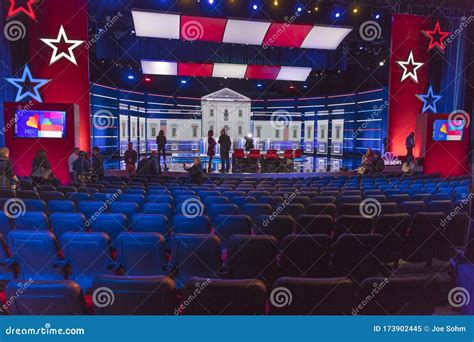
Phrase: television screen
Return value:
(40, 124)
(448, 130)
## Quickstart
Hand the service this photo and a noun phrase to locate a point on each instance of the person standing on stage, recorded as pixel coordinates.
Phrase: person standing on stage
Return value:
(248, 144)
(7, 175)
(410, 144)
(130, 158)
(226, 144)
(161, 145)
(211, 149)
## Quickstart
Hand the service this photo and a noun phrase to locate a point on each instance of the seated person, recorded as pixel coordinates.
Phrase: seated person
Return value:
(195, 171)
(367, 163)
(378, 163)
(146, 167)
(81, 166)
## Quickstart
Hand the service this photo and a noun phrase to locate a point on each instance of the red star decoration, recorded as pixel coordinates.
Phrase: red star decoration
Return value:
(436, 37)
(25, 6)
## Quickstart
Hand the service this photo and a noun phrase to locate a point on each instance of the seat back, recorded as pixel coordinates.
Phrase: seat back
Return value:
(55, 206)
(412, 207)
(224, 297)
(315, 224)
(226, 226)
(394, 228)
(158, 208)
(111, 224)
(278, 226)
(253, 210)
(58, 297)
(191, 225)
(67, 222)
(321, 209)
(195, 255)
(36, 254)
(92, 208)
(148, 295)
(141, 254)
(150, 223)
(89, 256)
(31, 220)
(332, 296)
(222, 209)
(129, 209)
(51, 195)
(353, 224)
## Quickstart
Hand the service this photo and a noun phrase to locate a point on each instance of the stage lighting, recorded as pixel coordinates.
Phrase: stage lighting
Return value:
(147, 79)
(211, 2)
(338, 15)
(355, 10)
(184, 81)
(299, 9)
(316, 8)
(305, 86)
(377, 16)
(255, 7)
(259, 85)
(249, 135)
(382, 63)
(275, 3)
(131, 77)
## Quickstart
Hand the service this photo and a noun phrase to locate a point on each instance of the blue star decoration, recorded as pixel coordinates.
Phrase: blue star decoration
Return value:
(27, 85)
(429, 100)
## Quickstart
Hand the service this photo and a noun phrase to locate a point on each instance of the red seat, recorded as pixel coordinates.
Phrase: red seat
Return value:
(298, 153)
(254, 154)
(271, 154)
(288, 154)
(239, 153)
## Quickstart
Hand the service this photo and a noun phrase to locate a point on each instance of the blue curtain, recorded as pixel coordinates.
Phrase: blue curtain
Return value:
(452, 84)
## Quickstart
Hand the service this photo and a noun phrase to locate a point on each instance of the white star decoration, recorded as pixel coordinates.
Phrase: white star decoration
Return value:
(62, 37)
(415, 66)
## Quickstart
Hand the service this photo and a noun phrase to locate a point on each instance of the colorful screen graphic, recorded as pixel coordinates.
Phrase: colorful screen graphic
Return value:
(448, 130)
(40, 124)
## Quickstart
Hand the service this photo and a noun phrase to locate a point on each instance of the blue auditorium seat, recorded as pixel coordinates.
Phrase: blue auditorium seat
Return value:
(5, 224)
(232, 194)
(35, 205)
(278, 226)
(253, 210)
(141, 254)
(138, 199)
(195, 255)
(158, 208)
(51, 195)
(393, 228)
(225, 297)
(112, 224)
(67, 222)
(191, 225)
(225, 226)
(206, 193)
(92, 208)
(179, 199)
(150, 223)
(355, 256)
(177, 193)
(217, 209)
(36, 254)
(324, 296)
(55, 297)
(241, 200)
(31, 220)
(55, 206)
(315, 224)
(129, 209)
(321, 209)
(252, 257)
(149, 295)
(135, 191)
(89, 256)
(7, 269)
(412, 207)
(163, 198)
(306, 256)
(353, 224)
(77, 197)
(27, 194)
(440, 206)
(258, 194)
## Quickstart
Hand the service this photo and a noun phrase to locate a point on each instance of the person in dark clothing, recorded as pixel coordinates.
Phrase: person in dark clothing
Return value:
(156, 163)
(82, 165)
(41, 172)
(130, 157)
(211, 149)
(146, 167)
(378, 163)
(226, 144)
(161, 145)
(248, 144)
(98, 162)
(195, 171)
(410, 144)
(8, 179)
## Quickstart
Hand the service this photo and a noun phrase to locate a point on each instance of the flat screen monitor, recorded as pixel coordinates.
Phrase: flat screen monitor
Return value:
(40, 124)
(448, 130)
